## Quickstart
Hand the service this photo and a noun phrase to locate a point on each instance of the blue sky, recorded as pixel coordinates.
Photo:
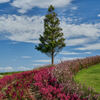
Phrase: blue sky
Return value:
(21, 23)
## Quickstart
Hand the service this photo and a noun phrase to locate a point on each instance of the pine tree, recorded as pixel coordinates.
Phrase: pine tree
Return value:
(52, 40)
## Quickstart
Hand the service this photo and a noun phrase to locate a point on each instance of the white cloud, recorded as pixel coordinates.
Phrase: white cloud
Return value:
(67, 58)
(77, 41)
(21, 28)
(28, 29)
(6, 69)
(26, 57)
(38, 65)
(98, 15)
(4, 1)
(44, 61)
(68, 53)
(25, 5)
(88, 52)
(95, 46)
(74, 8)
(14, 69)
(87, 30)
(73, 53)
(23, 68)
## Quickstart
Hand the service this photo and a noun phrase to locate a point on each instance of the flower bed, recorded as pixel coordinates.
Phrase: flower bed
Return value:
(15, 87)
(65, 71)
(52, 83)
(49, 88)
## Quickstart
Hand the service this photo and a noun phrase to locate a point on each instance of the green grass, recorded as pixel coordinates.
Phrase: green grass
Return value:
(90, 77)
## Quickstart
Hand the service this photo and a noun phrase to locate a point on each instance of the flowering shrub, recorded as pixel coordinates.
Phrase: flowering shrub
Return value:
(15, 87)
(50, 83)
(65, 71)
(49, 88)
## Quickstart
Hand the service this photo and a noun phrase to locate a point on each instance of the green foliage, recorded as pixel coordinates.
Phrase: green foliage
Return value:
(52, 40)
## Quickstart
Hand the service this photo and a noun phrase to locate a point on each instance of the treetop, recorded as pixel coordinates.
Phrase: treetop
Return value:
(51, 8)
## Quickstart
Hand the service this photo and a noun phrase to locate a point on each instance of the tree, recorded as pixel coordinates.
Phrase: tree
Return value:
(52, 40)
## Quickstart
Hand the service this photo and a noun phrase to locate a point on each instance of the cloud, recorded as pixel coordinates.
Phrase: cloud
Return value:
(25, 5)
(77, 41)
(95, 46)
(87, 52)
(14, 69)
(6, 69)
(86, 30)
(21, 28)
(74, 8)
(73, 53)
(68, 53)
(4, 1)
(27, 29)
(67, 58)
(43, 61)
(80, 34)
(26, 57)
(38, 65)
(98, 15)
(22, 68)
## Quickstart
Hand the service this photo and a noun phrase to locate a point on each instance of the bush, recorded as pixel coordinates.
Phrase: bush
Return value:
(65, 71)
(50, 83)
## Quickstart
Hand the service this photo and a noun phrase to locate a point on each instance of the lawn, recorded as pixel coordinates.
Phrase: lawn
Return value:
(90, 77)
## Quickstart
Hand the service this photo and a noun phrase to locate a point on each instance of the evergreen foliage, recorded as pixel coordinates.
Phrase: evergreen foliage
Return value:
(52, 40)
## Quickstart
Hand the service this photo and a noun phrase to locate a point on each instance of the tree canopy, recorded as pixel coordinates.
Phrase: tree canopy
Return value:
(52, 40)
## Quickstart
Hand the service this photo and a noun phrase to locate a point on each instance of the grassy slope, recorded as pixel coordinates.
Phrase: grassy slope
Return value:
(90, 77)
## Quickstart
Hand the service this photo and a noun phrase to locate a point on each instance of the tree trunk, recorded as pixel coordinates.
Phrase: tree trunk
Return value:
(52, 58)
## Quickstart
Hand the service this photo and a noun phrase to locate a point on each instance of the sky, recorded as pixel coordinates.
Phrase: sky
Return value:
(21, 23)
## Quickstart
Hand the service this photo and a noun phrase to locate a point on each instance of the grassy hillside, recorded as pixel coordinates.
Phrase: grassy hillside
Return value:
(90, 77)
